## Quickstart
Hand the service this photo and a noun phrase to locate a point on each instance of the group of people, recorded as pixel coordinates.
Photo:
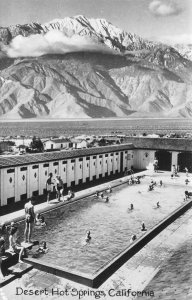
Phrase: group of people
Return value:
(101, 194)
(58, 185)
(134, 180)
(14, 244)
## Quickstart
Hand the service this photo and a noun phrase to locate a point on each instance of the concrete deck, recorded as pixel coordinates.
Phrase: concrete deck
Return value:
(162, 267)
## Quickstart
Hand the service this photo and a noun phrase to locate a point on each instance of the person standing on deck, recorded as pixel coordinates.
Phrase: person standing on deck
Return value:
(59, 187)
(29, 220)
(48, 186)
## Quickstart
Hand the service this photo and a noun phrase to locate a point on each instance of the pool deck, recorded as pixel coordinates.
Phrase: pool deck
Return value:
(42, 207)
(163, 266)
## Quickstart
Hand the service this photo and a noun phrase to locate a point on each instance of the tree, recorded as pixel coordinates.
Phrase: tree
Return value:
(36, 144)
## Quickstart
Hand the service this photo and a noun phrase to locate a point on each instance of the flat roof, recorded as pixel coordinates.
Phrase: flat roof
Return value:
(26, 159)
(169, 144)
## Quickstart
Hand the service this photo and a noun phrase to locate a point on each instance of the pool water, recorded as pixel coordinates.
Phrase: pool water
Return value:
(111, 224)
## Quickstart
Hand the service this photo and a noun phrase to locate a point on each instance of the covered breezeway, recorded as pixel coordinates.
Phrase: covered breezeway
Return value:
(164, 160)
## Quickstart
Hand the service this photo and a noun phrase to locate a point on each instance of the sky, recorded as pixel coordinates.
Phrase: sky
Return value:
(162, 20)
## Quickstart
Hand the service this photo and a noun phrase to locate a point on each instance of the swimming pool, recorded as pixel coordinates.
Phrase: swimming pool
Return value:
(111, 224)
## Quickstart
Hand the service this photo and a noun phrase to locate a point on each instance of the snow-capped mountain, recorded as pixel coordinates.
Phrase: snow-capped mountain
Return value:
(139, 78)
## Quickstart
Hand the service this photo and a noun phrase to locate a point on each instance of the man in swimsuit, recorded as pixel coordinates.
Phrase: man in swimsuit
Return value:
(29, 220)
(59, 187)
(48, 186)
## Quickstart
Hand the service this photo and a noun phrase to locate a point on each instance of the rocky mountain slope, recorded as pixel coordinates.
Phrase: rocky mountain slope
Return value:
(140, 78)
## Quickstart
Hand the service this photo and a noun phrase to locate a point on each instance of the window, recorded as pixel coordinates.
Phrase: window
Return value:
(11, 171)
(64, 162)
(80, 159)
(87, 158)
(106, 155)
(35, 167)
(73, 160)
(100, 156)
(61, 145)
(94, 157)
(23, 169)
(55, 163)
(46, 165)
(64, 169)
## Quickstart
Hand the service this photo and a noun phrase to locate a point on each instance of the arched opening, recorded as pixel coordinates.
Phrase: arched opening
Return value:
(185, 160)
(164, 160)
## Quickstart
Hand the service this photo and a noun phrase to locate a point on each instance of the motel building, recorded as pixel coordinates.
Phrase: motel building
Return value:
(24, 176)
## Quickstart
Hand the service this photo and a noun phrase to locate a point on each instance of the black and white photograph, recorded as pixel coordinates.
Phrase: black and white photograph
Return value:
(95, 149)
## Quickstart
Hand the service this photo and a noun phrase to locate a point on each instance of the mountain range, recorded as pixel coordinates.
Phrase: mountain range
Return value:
(88, 68)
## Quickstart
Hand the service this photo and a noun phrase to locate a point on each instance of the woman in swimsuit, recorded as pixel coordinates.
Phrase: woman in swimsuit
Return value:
(14, 246)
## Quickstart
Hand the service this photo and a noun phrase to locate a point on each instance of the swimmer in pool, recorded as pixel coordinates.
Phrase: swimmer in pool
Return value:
(40, 220)
(88, 236)
(133, 238)
(143, 228)
(107, 199)
(131, 206)
(158, 205)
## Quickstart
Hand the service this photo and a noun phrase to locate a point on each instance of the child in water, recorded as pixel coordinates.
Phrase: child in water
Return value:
(133, 238)
(40, 220)
(107, 199)
(43, 249)
(88, 236)
(143, 228)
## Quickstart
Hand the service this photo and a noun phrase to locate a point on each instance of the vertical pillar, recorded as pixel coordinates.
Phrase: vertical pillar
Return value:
(28, 181)
(3, 198)
(41, 183)
(76, 167)
(109, 164)
(97, 166)
(103, 165)
(118, 162)
(174, 159)
(84, 165)
(91, 166)
(68, 172)
(17, 194)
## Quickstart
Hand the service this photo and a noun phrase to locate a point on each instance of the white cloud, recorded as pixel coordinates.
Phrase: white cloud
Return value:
(184, 39)
(164, 8)
(53, 42)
